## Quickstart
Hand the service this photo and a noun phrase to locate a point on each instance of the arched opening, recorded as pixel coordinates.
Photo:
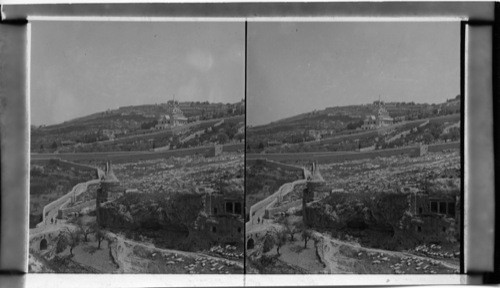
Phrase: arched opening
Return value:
(43, 244)
(250, 244)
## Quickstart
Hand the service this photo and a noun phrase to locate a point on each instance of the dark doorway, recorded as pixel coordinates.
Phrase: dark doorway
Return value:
(250, 244)
(43, 244)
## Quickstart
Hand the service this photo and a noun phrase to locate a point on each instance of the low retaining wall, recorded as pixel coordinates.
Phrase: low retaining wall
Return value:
(77, 190)
(234, 147)
(275, 164)
(283, 208)
(332, 157)
(259, 205)
(67, 164)
(121, 157)
(64, 212)
(61, 201)
(369, 148)
(271, 200)
(268, 207)
(444, 146)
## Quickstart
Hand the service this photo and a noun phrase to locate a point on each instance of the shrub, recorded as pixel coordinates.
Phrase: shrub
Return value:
(268, 243)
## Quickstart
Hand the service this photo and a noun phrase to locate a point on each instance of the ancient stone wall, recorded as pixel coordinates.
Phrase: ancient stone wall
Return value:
(275, 164)
(350, 156)
(68, 165)
(77, 190)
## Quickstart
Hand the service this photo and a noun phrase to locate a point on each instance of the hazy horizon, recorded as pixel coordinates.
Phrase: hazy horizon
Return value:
(298, 67)
(81, 68)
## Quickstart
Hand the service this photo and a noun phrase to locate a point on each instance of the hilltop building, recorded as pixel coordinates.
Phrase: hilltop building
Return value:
(163, 122)
(176, 118)
(383, 119)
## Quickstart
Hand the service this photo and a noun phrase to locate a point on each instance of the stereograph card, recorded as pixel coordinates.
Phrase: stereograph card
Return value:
(247, 144)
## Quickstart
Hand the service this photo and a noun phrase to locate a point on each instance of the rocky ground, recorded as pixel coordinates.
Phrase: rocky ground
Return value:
(394, 173)
(388, 263)
(227, 251)
(349, 257)
(37, 264)
(135, 257)
(178, 174)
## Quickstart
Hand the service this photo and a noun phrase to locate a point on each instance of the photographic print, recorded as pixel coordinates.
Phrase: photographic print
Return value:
(353, 146)
(137, 154)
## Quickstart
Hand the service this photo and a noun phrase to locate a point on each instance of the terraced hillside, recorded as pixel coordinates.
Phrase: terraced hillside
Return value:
(339, 128)
(133, 125)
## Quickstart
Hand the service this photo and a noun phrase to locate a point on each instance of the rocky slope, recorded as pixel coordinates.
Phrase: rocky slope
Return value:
(382, 220)
(155, 215)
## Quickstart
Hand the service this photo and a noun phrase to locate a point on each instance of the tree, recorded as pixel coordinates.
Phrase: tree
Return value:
(99, 235)
(72, 238)
(268, 243)
(290, 227)
(261, 146)
(280, 240)
(222, 138)
(427, 138)
(240, 137)
(306, 235)
(61, 242)
(84, 228)
(54, 145)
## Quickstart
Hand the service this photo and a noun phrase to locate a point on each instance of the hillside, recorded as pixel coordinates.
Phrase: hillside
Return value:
(340, 128)
(132, 128)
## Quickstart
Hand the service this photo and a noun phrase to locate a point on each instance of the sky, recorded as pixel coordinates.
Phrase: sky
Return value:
(297, 67)
(79, 68)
